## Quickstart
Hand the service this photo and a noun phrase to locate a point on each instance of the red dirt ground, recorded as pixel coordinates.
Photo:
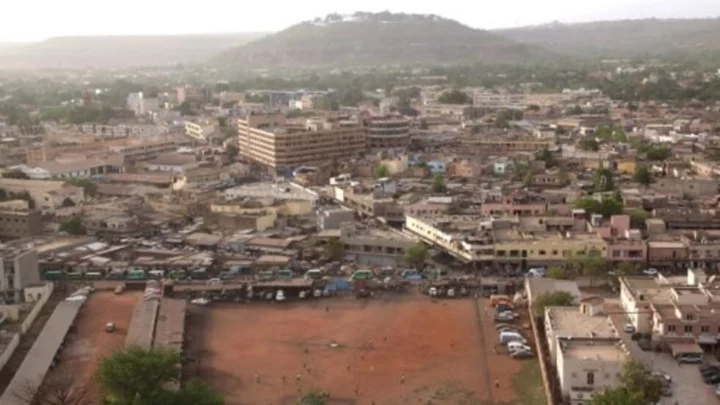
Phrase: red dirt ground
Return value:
(90, 343)
(437, 345)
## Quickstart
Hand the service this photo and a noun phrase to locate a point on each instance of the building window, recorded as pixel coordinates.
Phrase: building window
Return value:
(573, 374)
(591, 378)
(671, 328)
(688, 328)
(688, 317)
(607, 376)
(542, 252)
(704, 329)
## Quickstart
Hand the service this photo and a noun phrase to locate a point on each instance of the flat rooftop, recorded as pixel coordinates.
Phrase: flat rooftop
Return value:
(142, 324)
(284, 191)
(593, 350)
(569, 321)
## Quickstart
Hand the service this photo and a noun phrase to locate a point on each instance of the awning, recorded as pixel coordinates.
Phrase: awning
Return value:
(685, 348)
(707, 340)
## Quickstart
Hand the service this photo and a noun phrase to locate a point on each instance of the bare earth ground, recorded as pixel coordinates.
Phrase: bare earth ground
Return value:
(443, 348)
(90, 343)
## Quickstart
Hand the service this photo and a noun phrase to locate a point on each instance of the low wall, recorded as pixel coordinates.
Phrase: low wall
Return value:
(9, 350)
(542, 356)
(27, 323)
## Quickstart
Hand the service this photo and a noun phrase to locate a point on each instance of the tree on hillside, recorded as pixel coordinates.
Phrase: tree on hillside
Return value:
(556, 272)
(642, 175)
(438, 185)
(608, 207)
(139, 376)
(67, 202)
(15, 174)
(73, 226)
(552, 299)
(416, 255)
(548, 157)
(589, 145)
(454, 97)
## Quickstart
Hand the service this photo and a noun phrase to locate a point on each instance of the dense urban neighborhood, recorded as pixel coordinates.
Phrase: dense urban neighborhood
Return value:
(469, 234)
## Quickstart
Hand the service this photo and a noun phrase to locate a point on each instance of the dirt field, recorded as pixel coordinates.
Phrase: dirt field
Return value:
(90, 343)
(438, 346)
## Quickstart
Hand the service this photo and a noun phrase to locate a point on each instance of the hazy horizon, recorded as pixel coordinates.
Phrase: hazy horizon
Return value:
(73, 18)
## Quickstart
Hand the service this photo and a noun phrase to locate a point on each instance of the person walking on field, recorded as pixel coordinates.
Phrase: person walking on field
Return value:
(297, 378)
(257, 378)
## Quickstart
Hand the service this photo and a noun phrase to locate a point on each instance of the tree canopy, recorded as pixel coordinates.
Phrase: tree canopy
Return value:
(88, 186)
(334, 249)
(603, 180)
(638, 387)
(416, 255)
(642, 175)
(382, 171)
(454, 97)
(607, 207)
(552, 299)
(438, 185)
(138, 376)
(73, 226)
(15, 174)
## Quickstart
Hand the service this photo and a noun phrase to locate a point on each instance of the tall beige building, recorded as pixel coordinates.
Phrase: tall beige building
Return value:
(271, 140)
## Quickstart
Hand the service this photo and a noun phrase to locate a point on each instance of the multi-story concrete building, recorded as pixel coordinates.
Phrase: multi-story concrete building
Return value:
(18, 269)
(373, 246)
(333, 218)
(504, 145)
(135, 103)
(18, 220)
(469, 238)
(270, 140)
(387, 132)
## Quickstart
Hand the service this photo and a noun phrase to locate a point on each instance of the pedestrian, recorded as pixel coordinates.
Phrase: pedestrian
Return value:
(362, 356)
(306, 350)
(452, 344)
(385, 337)
(305, 366)
(497, 383)
(297, 377)
(308, 369)
(402, 379)
(327, 308)
(347, 367)
(257, 378)
(284, 379)
(372, 369)
(357, 389)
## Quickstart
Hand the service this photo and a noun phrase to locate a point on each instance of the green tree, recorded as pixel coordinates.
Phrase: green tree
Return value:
(139, 376)
(589, 145)
(73, 226)
(556, 272)
(67, 202)
(314, 397)
(334, 249)
(638, 218)
(642, 175)
(603, 180)
(548, 157)
(594, 265)
(638, 386)
(438, 185)
(15, 174)
(382, 171)
(627, 269)
(552, 299)
(231, 151)
(454, 97)
(88, 186)
(416, 255)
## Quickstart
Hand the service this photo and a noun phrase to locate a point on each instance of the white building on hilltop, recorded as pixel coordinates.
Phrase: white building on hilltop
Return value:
(136, 103)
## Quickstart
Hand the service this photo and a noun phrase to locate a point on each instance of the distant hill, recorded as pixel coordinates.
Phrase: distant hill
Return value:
(367, 39)
(625, 38)
(118, 51)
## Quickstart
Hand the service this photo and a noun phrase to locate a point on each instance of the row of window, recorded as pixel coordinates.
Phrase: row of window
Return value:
(689, 328)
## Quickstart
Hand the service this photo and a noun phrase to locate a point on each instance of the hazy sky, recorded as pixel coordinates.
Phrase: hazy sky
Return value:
(31, 20)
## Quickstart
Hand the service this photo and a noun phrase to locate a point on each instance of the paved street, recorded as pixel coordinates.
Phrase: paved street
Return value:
(688, 387)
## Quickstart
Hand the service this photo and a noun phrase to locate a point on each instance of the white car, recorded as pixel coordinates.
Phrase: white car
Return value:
(717, 390)
(629, 328)
(200, 301)
(280, 296)
(650, 272)
(514, 346)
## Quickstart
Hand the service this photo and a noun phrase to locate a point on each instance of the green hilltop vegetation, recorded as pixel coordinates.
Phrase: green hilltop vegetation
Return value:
(377, 39)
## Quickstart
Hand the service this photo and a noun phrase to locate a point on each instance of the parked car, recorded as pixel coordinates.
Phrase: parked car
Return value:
(280, 296)
(504, 317)
(650, 272)
(521, 354)
(717, 390)
(690, 358)
(665, 377)
(200, 301)
(667, 391)
(514, 346)
(629, 328)
(110, 327)
(506, 337)
(711, 379)
(507, 328)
